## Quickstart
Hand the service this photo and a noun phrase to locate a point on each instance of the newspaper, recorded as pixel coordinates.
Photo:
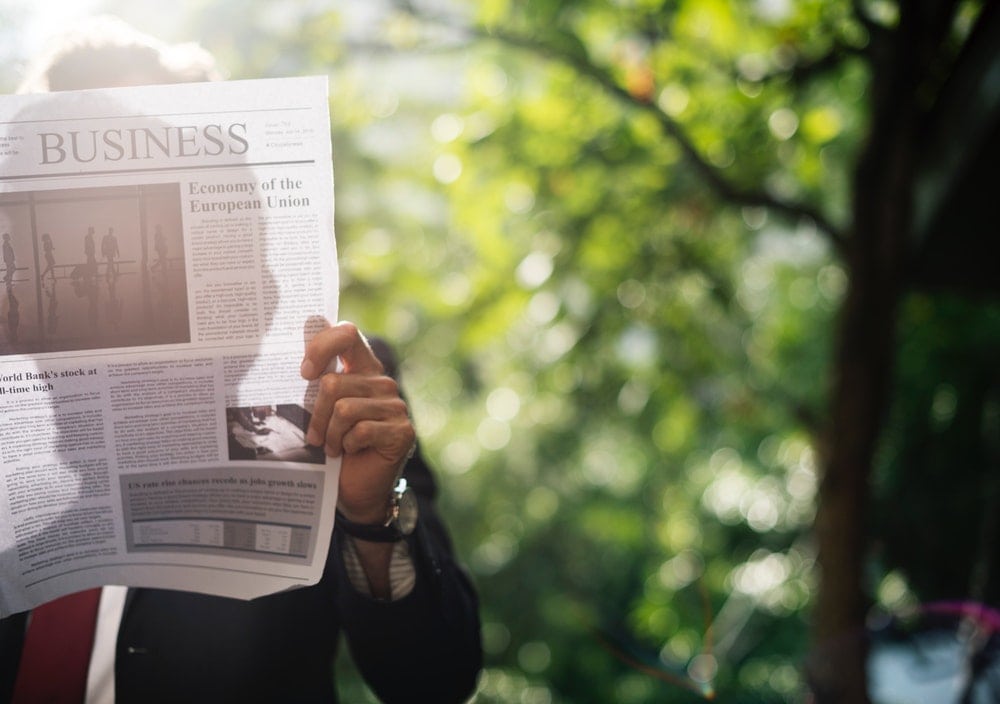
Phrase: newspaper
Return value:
(166, 252)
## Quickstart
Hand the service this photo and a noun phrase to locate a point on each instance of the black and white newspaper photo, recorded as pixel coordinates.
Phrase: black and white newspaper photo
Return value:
(166, 252)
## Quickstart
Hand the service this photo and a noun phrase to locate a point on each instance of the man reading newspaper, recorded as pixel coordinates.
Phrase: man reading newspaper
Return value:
(391, 584)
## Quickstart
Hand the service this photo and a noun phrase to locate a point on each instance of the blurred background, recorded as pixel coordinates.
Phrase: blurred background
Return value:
(699, 307)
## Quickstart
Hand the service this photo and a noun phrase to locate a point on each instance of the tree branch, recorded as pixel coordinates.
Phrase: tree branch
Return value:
(712, 176)
(804, 71)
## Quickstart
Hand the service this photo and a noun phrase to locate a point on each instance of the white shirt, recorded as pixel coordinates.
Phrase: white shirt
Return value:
(101, 673)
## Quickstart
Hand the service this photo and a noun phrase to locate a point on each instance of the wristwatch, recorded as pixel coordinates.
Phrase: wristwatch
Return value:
(400, 520)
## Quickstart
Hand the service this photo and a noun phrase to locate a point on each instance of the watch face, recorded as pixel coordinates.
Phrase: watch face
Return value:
(407, 519)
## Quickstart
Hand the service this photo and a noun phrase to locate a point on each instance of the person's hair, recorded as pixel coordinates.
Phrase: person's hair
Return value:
(106, 51)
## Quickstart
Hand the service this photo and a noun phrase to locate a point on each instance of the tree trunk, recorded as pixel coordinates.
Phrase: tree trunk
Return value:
(859, 397)
(862, 369)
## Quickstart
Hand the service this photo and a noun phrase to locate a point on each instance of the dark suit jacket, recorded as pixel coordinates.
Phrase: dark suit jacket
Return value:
(178, 647)
(184, 648)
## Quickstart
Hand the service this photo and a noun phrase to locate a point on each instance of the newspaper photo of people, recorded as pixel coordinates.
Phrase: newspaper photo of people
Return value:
(276, 432)
(91, 268)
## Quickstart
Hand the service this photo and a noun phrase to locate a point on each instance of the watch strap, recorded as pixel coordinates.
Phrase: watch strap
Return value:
(373, 532)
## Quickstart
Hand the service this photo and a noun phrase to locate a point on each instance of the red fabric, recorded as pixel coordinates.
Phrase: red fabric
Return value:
(56, 651)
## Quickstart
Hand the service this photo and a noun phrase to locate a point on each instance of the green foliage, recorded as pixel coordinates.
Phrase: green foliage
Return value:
(623, 446)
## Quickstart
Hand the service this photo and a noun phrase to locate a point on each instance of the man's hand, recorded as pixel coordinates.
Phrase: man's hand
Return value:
(358, 416)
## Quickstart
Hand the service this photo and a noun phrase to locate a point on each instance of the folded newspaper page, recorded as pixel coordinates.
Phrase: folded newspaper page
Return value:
(166, 252)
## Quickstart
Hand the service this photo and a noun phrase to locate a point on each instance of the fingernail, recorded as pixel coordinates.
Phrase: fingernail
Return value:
(308, 369)
(312, 437)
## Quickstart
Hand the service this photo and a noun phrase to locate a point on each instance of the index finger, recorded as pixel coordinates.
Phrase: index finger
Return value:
(343, 341)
